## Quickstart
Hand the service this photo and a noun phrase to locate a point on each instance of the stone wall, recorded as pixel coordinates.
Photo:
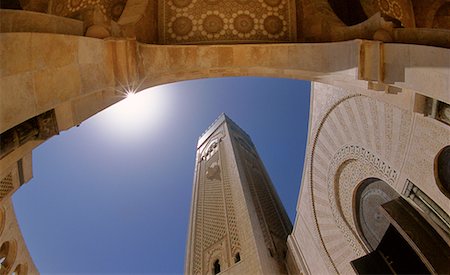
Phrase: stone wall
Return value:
(352, 138)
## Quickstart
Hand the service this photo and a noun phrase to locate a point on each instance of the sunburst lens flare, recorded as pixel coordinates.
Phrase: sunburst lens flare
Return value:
(130, 94)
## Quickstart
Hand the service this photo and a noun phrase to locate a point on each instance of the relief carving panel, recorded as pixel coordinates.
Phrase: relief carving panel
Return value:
(196, 21)
(112, 9)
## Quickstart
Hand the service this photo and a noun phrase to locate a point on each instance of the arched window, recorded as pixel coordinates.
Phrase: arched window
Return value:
(370, 221)
(21, 269)
(216, 267)
(442, 170)
(237, 257)
(7, 257)
(4, 249)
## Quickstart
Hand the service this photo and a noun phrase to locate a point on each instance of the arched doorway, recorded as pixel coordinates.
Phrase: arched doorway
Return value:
(400, 239)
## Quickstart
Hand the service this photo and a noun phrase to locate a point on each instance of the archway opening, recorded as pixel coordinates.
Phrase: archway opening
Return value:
(130, 182)
(400, 239)
(216, 267)
(370, 221)
(237, 257)
(7, 256)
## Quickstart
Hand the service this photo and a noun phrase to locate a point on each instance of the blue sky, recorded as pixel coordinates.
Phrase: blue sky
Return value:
(113, 195)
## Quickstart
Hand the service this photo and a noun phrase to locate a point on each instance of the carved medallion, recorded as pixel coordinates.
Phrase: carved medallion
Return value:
(243, 23)
(182, 26)
(213, 23)
(273, 24)
(226, 20)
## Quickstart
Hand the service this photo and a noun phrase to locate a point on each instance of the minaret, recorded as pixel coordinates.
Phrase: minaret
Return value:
(238, 224)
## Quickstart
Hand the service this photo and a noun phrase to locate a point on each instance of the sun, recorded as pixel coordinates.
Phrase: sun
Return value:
(130, 94)
(136, 113)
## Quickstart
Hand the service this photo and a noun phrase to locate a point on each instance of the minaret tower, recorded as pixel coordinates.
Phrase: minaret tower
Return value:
(238, 224)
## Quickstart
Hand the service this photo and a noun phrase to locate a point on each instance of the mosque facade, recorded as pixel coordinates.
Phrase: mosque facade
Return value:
(375, 182)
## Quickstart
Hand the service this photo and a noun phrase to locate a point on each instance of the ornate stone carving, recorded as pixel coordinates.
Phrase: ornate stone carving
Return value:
(213, 172)
(340, 161)
(398, 9)
(181, 27)
(273, 25)
(112, 9)
(224, 20)
(212, 24)
(39, 127)
(244, 24)
(181, 3)
(350, 166)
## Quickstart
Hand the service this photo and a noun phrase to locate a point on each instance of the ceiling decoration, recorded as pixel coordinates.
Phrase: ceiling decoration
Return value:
(227, 21)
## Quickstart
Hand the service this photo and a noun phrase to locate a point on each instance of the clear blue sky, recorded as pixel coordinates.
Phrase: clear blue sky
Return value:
(113, 195)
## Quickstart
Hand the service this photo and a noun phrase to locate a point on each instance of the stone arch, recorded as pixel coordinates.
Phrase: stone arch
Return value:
(214, 255)
(442, 16)
(79, 76)
(428, 16)
(339, 162)
(98, 70)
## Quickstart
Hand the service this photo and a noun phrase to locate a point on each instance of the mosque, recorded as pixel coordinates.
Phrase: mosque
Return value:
(375, 191)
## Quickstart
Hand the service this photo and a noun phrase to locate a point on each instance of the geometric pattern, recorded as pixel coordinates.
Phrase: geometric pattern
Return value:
(6, 185)
(215, 220)
(398, 9)
(358, 137)
(194, 21)
(269, 212)
(112, 9)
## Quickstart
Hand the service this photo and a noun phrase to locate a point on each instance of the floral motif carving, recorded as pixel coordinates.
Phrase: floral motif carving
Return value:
(224, 20)
(112, 9)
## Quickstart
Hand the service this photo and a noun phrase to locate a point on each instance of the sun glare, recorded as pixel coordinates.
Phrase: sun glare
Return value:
(137, 112)
(130, 94)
